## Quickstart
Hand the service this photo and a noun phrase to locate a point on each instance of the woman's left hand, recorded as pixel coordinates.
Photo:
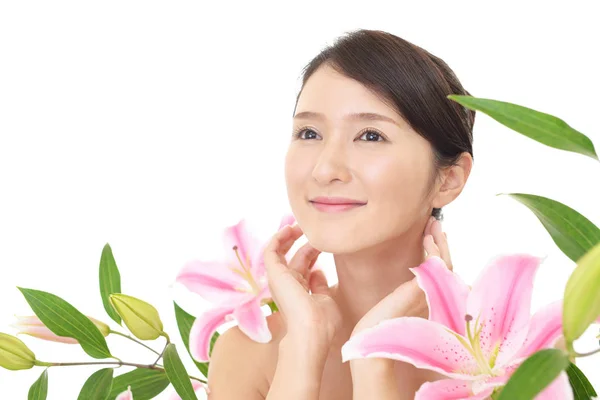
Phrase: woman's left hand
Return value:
(408, 299)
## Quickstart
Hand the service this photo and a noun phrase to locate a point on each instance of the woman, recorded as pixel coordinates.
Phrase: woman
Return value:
(377, 150)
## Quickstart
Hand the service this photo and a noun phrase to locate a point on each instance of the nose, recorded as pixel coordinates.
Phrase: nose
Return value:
(331, 164)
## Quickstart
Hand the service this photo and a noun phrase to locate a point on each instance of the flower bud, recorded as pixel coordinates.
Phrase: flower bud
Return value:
(141, 318)
(33, 326)
(14, 354)
(126, 395)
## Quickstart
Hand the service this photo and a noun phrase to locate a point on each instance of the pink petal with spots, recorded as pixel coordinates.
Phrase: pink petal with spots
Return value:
(559, 389)
(252, 321)
(445, 292)
(423, 343)
(248, 247)
(448, 389)
(213, 281)
(203, 329)
(545, 328)
(501, 297)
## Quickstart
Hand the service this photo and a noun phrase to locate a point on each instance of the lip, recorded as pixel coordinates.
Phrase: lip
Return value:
(337, 201)
(335, 204)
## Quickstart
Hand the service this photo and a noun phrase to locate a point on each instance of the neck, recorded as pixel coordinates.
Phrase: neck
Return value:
(367, 276)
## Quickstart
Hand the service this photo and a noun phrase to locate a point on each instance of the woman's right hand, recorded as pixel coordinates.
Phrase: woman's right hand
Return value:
(302, 295)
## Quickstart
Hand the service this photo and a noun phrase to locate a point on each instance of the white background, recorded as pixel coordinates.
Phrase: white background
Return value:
(153, 125)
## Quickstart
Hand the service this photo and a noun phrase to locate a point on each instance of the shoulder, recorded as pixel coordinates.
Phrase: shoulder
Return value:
(236, 357)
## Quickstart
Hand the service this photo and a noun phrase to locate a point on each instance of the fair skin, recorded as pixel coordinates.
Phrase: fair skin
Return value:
(391, 169)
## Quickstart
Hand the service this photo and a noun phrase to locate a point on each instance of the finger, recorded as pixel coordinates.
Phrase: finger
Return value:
(430, 246)
(318, 282)
(304, 257)
(440, 240)
(427, 230)
(280, 244)
(290, 236)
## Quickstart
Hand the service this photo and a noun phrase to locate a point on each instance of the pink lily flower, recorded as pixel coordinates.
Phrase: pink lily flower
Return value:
(126, 395)
(33, 326)
(198, 387)
(238, 287)
(476, 337)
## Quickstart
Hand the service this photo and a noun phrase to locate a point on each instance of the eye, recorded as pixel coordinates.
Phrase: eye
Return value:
(370, 133)
(298, 133)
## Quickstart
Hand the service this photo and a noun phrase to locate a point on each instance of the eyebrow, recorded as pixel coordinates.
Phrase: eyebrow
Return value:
(364, 116)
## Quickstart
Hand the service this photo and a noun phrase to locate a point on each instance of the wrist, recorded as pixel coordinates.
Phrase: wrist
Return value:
(374, 378)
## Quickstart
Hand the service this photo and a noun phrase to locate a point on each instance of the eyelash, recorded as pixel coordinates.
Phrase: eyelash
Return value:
(299, 131)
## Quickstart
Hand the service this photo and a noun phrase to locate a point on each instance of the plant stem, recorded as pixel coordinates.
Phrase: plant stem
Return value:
(135, 340)
(163, 352)
(120, 363)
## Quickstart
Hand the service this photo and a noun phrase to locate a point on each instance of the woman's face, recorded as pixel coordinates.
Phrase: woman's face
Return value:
(382, 163)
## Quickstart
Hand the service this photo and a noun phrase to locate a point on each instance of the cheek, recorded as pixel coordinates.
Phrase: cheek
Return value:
(395, 183)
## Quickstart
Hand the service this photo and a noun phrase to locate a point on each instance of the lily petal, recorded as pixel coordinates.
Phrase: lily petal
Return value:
(252, 321)
(196, 385)
(423, 343)
(501, 297)
(287, 219)
(545, 327)
(248, 247)
(445, 292)
(42, 332)
(559, 389)
(126, 395)
(212, 281)
(203, 329)
(450, 389)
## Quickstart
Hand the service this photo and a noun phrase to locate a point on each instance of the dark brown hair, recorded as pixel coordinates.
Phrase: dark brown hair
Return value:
(413, 81)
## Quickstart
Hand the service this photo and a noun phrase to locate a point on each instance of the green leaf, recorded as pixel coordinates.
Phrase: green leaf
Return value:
(177, 374)
(145, 383)
(184, 323)
(97, 386)
(544, 128)
(273, 306)
(582, 388)
(581, 301)
(573, 233)
(65, 320)
(534, 375)
(39, 389)
(110, 281)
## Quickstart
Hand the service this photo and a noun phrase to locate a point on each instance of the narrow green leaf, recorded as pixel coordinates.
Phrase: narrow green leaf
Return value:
(273, 306)
(581, 301)
(39, 389)
(544, 128)
(184, 323)
(97, 386)
(145, 383)
(177, 374)
(110, 281)
(573, 233)
(65, 320)
(534, 375)
(582, 388)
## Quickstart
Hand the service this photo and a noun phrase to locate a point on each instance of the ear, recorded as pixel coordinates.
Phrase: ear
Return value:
(452, 181)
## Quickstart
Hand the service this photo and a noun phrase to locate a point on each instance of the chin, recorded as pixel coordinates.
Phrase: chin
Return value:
(333, 242)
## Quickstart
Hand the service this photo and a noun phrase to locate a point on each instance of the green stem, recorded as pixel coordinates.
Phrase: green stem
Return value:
(120, 363)
(163, 352)
(135, 340)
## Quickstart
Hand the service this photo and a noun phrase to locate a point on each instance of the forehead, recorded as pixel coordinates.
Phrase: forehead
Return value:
(335, 95)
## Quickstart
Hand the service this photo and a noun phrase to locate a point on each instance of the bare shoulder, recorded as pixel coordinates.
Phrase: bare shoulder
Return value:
(251, 365)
